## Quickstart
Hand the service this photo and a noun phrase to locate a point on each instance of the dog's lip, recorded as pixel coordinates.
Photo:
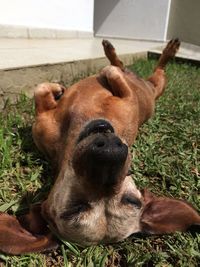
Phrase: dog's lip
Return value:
(95, 127)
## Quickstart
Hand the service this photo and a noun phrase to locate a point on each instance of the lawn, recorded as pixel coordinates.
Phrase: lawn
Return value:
(166, 159)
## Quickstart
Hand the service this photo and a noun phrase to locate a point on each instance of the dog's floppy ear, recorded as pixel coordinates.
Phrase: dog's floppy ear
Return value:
(162, 215)
(14, 239)
(33, 221)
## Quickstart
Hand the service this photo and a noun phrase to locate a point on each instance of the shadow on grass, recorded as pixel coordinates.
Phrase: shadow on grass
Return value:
(46, 176)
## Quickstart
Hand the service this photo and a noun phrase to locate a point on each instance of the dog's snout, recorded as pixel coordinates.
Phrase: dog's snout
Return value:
(102, 155)
(101, 159)
(100, 144)
(106, 157)
(108, 146)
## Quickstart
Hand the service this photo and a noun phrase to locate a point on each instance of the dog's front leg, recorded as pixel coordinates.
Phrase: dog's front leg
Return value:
(116, 81)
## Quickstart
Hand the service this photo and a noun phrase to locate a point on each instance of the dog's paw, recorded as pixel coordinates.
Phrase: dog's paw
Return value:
(107, 45)
(47, 95)
(172, 48)
(55, 89)
(111, 73)
(168, 53)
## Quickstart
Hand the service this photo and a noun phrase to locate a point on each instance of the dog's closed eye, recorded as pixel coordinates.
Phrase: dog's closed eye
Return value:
(75, 210)
(130, 199)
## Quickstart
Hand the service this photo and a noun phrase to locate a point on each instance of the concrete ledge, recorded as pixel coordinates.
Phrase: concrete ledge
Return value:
(14, 81)
(7, 31)
(10, 31)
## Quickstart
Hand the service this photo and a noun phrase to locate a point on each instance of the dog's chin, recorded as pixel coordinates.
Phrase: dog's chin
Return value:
(101, 158)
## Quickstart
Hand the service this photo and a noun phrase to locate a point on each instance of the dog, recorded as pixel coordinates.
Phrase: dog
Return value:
(86, 132)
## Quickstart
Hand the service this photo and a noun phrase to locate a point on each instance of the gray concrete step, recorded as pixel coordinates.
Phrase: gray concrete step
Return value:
(27, 62)
(19, 53)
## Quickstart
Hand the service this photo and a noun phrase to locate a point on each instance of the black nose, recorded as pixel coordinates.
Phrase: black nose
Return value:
(108, 147)
(102, 156)
(106, 157)
(96, 126)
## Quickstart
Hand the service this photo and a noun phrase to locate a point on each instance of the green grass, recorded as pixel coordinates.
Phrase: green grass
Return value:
(166, 160)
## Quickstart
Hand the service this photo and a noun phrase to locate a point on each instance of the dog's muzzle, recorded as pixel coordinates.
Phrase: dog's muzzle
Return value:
(100, 155)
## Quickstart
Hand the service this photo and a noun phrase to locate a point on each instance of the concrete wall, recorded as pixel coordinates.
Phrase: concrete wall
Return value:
(184, 21)
(53, 14)
(136, 19)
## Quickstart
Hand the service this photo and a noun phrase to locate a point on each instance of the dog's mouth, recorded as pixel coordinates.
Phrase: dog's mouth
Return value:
(95, 127)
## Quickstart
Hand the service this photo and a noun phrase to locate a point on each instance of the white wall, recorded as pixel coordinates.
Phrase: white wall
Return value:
(54, 14)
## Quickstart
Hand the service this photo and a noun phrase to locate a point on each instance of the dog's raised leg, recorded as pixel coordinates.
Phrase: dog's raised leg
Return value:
(158, 78)
(111, 54)
(116, 81)
(114, 74)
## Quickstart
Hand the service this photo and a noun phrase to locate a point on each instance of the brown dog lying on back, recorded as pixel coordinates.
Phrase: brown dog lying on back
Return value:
(86, 132)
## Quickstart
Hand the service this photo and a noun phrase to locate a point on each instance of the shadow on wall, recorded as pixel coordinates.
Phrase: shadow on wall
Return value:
(184, 21)
(101, 13)
(131, 19)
